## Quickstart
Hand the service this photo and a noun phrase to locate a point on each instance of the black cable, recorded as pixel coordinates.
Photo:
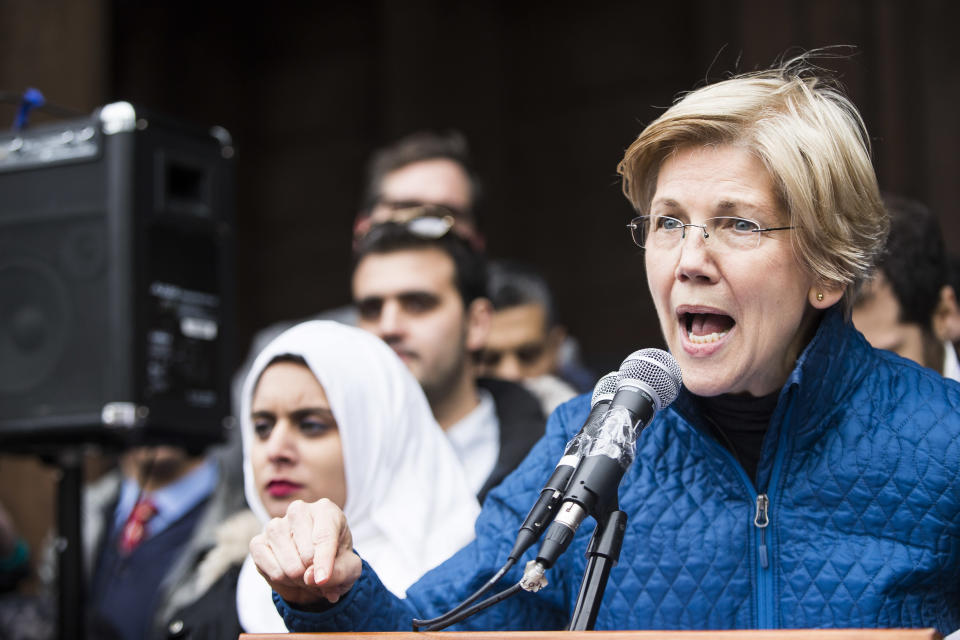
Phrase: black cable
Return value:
(417, 623)
(492, 600)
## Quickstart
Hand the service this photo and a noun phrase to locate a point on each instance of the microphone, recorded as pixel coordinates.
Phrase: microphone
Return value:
(543, 510)
(648, 381)
(580, 444)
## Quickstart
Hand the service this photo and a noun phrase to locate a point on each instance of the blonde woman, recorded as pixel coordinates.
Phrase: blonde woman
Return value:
(801, 478)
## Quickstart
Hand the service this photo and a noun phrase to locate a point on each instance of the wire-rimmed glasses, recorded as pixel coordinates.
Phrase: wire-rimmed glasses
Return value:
(727, 232)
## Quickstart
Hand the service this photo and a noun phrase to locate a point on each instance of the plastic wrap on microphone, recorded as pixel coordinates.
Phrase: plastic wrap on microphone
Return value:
(648, 381)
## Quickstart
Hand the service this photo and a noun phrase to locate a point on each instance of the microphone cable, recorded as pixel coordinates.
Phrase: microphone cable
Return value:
(480, 606)
(442, 619)
(542, 512)
(648, 380)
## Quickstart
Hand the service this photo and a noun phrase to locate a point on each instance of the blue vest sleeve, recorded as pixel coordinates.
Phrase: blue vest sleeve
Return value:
(369, 606)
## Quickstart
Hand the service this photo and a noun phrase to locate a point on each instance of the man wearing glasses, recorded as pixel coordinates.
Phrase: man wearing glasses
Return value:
(423, 168)
(425, 183)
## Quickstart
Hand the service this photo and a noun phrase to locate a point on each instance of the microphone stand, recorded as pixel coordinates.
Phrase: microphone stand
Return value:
(603, 552)
(70, 596)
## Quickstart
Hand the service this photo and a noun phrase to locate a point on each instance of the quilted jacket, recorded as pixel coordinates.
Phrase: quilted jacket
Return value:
(859, 473)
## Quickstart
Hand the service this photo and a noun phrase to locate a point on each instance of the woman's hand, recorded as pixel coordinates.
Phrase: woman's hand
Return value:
(307, 555)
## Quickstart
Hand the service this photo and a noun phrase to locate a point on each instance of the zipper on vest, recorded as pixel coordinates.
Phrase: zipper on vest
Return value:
(766, 605)
(760, 520)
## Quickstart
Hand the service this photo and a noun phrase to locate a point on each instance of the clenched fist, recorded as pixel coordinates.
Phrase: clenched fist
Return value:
(307, 555)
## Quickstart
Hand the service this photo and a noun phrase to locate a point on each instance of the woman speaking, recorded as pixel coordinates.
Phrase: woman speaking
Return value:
(801, 479)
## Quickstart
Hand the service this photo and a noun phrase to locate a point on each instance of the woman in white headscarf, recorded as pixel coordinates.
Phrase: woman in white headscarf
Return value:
(329, 411)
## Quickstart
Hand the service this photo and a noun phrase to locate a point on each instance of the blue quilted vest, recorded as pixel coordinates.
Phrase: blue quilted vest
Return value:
(859, 473)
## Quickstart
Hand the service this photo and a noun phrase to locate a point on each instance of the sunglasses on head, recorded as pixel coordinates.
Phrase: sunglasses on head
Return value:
(431, 221)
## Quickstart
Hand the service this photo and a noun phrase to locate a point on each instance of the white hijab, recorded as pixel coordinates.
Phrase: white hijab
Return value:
(408, 503)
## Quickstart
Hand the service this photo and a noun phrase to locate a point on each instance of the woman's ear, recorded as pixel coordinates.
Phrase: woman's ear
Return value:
(823, 295)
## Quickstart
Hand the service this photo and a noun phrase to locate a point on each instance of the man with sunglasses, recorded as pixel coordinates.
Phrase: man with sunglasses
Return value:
(423, 168)
(425, 182)
(527, 343)
(421, 288)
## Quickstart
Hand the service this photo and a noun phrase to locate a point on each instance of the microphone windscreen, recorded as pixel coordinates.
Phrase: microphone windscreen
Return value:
(605, 388)
(658, 370)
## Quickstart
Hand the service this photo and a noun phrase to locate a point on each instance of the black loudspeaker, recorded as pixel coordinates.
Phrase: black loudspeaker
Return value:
(116, 281)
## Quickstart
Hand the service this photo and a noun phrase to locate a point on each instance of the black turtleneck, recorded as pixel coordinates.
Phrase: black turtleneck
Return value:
(739, 423)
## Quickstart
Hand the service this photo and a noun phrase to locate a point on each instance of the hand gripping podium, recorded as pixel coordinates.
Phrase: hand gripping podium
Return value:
(745, 634)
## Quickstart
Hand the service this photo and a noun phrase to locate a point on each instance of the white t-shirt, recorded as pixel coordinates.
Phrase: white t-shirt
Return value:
(951, 366)
(476, 441)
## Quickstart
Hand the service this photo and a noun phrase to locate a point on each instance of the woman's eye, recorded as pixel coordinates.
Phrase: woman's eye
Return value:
(668, 224)
(314, 427)
(743, 226)
(262, 429)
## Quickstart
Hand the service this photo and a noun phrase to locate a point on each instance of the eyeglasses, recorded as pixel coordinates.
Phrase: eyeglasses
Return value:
(724, 232)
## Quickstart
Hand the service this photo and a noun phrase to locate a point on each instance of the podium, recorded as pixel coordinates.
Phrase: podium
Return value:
(745, 634)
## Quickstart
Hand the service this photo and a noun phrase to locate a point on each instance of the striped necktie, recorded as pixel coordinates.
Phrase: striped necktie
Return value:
(134, 530)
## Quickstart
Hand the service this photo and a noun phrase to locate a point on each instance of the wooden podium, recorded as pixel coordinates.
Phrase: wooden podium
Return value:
(748, 634)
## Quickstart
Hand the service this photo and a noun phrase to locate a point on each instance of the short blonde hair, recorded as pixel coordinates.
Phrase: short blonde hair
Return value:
(813, 142)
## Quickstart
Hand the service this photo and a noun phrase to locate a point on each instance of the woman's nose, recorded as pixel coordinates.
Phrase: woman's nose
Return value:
(695, 261)
(282, 444)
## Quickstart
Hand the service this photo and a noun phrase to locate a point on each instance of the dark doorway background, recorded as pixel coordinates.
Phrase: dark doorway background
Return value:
(548, 93)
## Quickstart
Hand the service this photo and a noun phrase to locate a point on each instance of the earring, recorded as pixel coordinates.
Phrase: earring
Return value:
(819, 296)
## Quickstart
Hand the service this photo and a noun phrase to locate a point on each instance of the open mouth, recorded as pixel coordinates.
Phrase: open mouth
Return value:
(704, 328)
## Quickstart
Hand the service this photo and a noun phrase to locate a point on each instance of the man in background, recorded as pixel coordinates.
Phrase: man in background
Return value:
(526, 342)
(421, 288)
(425, 296)
(146, 527)
(906, 306)
(424, 168)
(946, 322)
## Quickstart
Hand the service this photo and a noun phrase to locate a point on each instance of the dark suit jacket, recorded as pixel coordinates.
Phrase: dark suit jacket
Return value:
(521, 424)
